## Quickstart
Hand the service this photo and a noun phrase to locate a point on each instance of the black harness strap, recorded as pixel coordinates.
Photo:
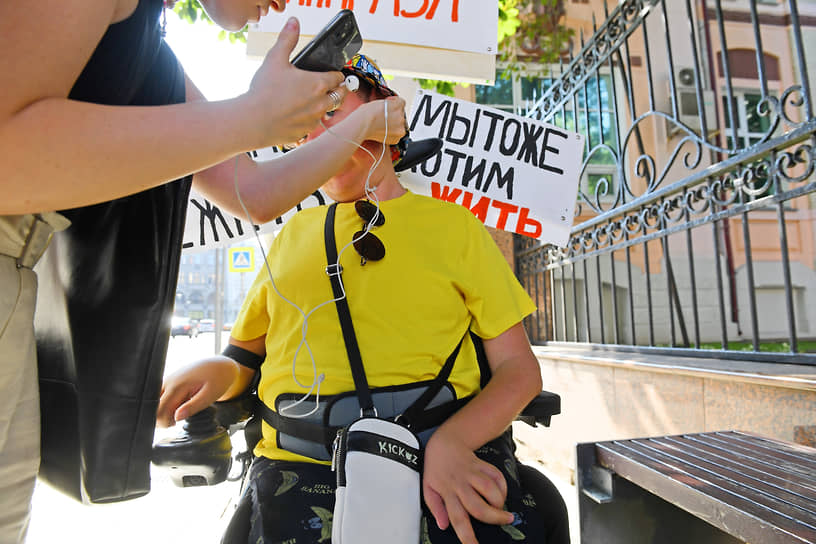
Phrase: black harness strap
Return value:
(481, 357)
(243, 357)
(352, 349)
(436, 416)
(313, 432)
(416, 416)
(413, 413)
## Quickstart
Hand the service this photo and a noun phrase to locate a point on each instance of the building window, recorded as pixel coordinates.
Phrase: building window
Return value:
(600, 180)
(590, 113)
(504, 94)
(595, 114)
(750, 126)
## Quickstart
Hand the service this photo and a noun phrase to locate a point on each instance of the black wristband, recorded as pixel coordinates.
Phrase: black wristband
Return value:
(243, 357)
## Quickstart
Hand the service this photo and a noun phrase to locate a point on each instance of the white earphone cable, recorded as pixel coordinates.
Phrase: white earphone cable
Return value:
(317, 379)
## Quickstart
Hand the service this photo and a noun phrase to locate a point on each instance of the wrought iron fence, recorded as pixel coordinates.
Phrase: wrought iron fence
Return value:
(695, 226)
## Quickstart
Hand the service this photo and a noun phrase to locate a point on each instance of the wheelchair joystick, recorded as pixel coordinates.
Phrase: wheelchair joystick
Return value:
(200, 455)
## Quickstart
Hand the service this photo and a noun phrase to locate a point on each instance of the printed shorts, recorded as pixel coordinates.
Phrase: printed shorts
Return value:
(292, 503)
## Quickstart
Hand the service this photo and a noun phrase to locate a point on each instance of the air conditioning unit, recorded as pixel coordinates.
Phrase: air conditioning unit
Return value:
(689, 110)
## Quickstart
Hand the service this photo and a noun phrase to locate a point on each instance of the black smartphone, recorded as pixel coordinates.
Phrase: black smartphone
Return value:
(333, 46)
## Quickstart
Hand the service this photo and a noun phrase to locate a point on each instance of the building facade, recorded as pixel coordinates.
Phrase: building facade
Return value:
(697, 116)
(684, 301)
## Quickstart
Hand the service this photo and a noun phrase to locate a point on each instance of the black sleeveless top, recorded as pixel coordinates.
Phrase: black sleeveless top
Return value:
(107, 288)
(132, 65)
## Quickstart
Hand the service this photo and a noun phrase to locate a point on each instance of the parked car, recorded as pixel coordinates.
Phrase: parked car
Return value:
(228, 326)
(206, 325)
(183, 326)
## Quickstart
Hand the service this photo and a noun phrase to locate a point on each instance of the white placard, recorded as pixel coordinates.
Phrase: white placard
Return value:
(207, 226)
(514, 173)
(465, 25)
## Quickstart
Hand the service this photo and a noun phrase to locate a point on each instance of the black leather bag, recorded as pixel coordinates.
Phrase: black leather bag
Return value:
(107, 287)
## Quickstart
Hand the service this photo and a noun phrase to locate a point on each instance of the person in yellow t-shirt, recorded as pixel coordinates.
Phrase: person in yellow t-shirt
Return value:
(441, 276)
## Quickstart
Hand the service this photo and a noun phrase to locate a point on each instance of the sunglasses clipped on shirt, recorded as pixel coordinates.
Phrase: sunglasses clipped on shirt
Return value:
(367, 245)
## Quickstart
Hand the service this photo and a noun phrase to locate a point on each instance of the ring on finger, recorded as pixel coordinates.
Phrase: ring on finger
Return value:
(335, 99)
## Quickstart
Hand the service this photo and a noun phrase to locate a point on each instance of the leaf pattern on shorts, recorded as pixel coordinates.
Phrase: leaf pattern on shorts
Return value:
(425, 537)
(512, 470)
(289, 480)
(326, 518)
(514, 533)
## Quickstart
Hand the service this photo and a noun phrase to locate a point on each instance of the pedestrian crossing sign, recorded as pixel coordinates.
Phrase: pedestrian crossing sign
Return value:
(242, 259)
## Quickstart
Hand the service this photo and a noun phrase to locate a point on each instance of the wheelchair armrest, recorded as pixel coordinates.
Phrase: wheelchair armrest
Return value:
(541, 409)
(200, 455)
(234, 411)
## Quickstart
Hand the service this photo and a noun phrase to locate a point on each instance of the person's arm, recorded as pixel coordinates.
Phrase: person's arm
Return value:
(57, 153)
(456, 483)
(197, 386)
(270, 188)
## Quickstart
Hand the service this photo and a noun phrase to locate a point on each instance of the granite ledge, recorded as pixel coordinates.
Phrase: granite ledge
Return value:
(802, 377)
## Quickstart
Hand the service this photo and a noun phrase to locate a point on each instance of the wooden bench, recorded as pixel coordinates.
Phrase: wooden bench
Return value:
(718, 487)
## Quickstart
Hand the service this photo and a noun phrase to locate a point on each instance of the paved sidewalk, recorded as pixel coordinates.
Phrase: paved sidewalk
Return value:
(169, 514)
(526, 455)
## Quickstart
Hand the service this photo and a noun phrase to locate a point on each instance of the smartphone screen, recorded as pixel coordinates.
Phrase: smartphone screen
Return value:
(333, 46)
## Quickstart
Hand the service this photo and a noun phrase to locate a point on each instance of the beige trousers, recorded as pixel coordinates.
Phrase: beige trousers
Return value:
(19, 399)
(23, 238)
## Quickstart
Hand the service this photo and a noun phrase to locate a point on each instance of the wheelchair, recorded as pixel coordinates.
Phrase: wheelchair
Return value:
(202, 454)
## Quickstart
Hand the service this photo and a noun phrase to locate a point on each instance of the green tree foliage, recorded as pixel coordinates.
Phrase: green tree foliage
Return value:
(534, 32)
(192, 12)
(528, 30)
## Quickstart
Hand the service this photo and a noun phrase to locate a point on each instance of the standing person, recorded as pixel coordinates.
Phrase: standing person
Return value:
(437, 276)
(95, 110)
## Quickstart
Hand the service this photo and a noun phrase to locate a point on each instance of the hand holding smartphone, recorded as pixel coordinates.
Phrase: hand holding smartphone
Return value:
(333, 46)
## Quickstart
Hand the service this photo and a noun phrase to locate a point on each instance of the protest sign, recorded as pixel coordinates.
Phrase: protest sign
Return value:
(444, 24)
(514, 173)
(208, 227)
(436, 39)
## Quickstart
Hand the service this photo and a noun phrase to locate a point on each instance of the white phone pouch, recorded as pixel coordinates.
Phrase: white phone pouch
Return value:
(378, 466)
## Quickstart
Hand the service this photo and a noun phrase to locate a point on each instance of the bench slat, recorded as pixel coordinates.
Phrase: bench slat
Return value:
(794, 454)
(734, 481)
(733, 469)
(723, 489)
(676, 483)
(761, 451)
(765, 472)
(798, 452)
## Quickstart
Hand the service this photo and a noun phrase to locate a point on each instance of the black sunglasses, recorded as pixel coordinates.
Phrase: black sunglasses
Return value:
(367, 245)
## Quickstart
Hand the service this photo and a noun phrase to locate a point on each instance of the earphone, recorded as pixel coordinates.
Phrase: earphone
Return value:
(352, 83)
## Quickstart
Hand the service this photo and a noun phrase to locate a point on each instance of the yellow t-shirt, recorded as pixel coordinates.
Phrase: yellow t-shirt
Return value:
(441, 274)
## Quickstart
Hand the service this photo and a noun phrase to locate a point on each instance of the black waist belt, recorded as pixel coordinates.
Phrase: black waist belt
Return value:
(313, 432)
(324, 434)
